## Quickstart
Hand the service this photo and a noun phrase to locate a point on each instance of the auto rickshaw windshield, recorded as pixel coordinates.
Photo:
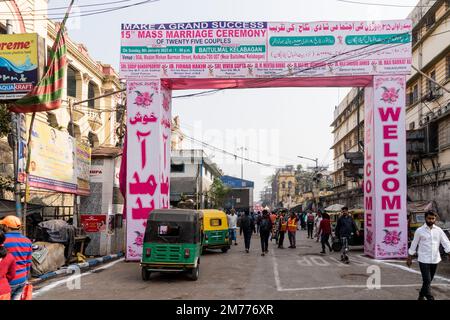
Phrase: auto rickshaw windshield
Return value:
(172, 232)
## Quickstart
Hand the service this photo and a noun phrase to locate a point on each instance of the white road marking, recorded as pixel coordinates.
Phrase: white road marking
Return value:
(281, 289)
(360, 287)
(275, 272)
(64, 281)
(404, 268)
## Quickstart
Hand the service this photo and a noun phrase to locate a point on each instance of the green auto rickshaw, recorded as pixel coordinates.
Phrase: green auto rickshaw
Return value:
(172, 242)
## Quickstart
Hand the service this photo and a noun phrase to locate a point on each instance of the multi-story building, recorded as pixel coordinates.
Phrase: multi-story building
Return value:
(427, 116)
(94, 122)
(284, 186)
(428, 106)
(191, 175)
(348, 131)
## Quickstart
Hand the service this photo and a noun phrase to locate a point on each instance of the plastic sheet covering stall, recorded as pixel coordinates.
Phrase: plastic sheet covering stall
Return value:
(58, 231)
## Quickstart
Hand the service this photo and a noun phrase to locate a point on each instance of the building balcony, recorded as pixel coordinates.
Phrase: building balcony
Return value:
(77, 113)
(94, 119)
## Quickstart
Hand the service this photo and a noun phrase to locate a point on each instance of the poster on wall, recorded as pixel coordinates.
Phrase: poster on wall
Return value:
(52, 167)
(83, 162)
(236, 49)
(93, 222)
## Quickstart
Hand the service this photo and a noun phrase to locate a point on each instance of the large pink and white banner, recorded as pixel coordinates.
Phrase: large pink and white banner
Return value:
(385, 168)
(148, 157)
(240, 49)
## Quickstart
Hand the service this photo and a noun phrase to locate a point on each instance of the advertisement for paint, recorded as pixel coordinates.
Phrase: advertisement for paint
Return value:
(19, 64)
(230, 49)
(148, 158)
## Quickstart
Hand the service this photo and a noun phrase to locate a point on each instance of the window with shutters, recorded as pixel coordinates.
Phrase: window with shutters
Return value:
(71, 82)
(444, 134)
(415, 93)
(91, 94)
(431, 84)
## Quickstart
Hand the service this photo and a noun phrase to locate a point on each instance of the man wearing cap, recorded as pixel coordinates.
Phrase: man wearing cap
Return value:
(21, 248)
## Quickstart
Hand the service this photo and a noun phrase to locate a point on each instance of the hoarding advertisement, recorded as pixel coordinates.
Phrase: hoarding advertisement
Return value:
(52, 163)
(229, 49)
(19, 65)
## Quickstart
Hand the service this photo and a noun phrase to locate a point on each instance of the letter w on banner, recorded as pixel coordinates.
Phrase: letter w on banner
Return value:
(147, 158)
(46, 95)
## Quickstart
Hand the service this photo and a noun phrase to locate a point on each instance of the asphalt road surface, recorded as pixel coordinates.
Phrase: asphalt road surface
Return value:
(301, 273)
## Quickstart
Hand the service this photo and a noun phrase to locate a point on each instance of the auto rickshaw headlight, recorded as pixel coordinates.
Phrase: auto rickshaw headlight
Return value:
(187, 253)
(148, 252)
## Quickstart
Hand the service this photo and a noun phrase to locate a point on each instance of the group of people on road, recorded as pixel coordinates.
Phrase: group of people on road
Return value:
(274, 226)
(427, 239)
(15, 259)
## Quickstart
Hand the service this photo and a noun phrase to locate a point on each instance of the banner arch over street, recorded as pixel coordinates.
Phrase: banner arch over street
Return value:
(159, 58)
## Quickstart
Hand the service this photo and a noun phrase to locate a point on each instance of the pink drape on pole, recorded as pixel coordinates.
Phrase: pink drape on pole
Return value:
(123, 177)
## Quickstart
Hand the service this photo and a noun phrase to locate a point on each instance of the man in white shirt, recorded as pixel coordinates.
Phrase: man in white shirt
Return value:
(232, 225)
(426, 243)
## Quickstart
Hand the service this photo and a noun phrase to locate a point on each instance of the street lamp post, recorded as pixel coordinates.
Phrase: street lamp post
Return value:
(316, 160)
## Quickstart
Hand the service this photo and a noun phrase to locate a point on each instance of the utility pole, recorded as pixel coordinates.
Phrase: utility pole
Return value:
(75, 196)
(242, 161)
(15, 134)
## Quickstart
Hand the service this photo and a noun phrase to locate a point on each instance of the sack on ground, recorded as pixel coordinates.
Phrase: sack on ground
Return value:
(49, 257)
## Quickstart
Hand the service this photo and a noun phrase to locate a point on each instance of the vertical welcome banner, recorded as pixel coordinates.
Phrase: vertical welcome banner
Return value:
(147, 175)
(385, 169)
(369, 173)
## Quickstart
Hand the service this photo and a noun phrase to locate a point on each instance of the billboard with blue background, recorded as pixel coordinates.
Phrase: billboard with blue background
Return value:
(19, 64)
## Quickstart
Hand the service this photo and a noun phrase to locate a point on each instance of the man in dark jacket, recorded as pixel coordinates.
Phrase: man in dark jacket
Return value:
(345, 228)
(265, 229)
(247, 226)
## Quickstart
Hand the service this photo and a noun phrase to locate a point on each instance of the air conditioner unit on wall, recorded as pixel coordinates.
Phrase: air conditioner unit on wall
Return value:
(424, 121)
(433, 93)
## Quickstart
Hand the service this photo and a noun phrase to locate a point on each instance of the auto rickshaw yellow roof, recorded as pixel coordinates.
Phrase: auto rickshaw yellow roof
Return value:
(213, 213)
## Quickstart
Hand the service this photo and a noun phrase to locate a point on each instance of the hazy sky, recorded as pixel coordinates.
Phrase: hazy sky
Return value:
(274, 124)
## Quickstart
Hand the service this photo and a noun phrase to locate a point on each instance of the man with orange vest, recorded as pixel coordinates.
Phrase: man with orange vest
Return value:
(282, 228)
(292, 229)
